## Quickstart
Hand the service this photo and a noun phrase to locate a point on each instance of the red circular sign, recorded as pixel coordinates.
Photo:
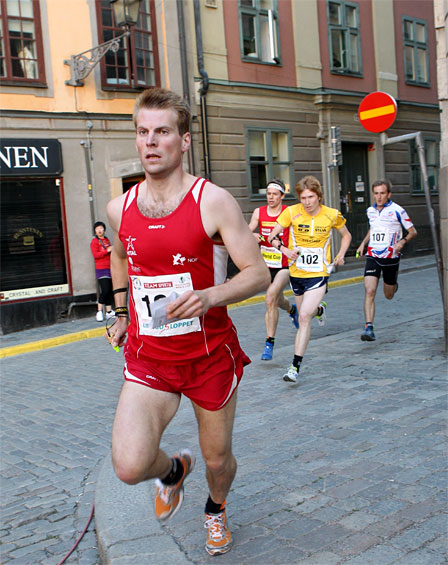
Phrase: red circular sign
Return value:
(377, 112)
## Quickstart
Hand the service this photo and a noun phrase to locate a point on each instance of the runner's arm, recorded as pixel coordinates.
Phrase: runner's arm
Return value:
(360, 249)
(290, 253)
(223, 219)
(253, 224)
(345, 244)
(119, 271)
(412, 232)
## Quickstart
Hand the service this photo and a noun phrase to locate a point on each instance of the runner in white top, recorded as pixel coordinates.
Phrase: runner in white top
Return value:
(385, 240)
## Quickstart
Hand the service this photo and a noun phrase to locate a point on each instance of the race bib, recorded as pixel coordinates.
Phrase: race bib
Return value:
(147, 290)
(379, 239)
(272, 257)
(310, 259)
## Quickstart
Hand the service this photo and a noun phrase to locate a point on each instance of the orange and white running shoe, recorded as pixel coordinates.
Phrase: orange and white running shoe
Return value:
(169, 498)
(219, 537)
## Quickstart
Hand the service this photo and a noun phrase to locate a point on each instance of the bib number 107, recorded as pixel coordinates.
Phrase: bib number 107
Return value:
(379, 237)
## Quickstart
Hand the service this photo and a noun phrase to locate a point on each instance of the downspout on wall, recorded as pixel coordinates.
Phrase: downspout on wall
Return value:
(184, 65)
(204, 88)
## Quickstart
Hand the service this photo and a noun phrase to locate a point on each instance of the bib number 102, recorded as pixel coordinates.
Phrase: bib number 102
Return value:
(309, 259)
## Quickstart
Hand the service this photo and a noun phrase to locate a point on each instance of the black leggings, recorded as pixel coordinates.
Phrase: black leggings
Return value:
(106, 297)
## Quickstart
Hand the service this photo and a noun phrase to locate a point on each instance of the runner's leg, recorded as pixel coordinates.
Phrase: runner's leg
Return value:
(370, 286)
(307, 307)
(215, 439)
(274, 300)
(140, 420)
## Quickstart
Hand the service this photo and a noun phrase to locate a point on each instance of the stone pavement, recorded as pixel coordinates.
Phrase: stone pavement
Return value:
(346, 467)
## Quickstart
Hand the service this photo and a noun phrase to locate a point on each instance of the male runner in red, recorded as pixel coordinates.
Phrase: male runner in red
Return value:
(265, 219)
(173, 232)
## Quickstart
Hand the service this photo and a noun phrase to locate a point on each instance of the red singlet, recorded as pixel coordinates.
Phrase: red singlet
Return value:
(165, 255)
(266, 224)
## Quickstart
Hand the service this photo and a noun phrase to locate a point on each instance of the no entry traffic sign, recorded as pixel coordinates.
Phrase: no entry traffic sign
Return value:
(377, 112)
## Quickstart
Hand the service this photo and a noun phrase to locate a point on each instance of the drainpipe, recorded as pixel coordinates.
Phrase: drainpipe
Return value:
(185, 78)
(204, 88)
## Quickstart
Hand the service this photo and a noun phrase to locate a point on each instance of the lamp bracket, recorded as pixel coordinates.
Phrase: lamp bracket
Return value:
(82, 64)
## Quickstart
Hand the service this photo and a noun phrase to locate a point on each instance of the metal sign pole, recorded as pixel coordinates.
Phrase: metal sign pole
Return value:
(421, 155)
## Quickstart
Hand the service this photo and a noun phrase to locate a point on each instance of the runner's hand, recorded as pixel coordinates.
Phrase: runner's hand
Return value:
(292, 254)
(339, 260)
(360, 250)
(189, 305)
(116, 334)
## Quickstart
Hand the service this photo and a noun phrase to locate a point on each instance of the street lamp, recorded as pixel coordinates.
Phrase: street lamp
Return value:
(126, 15)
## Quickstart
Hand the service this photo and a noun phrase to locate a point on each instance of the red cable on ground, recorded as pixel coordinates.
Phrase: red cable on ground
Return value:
(80, 537)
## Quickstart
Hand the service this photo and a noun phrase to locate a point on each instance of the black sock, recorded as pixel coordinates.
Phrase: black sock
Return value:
(175, 474)
(369, 324)
(297, 360)
(320, 311)
(270, 340)
(213, 508)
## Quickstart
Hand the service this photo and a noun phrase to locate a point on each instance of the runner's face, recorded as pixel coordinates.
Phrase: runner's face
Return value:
(381, 195)
(159, 144)
(274, 197)
(310, 201)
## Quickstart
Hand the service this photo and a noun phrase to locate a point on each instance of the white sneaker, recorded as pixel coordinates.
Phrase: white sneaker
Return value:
(322, 318)
(291, 374)
(99, 316)
(110, 314)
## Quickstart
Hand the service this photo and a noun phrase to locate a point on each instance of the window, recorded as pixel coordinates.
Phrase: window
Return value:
(344, 38)
(32, 239)
(135, 64)
(259, 31)
(21, 53)
(432, 166)
(269, 156)
(415, 43)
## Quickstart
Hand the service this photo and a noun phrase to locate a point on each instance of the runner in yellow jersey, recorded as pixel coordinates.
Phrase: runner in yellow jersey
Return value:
(309, 253)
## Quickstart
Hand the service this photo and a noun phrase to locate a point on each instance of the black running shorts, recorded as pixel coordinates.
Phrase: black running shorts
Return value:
(389, 268)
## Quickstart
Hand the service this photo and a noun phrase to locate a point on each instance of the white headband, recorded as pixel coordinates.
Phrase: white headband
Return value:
(277, 186)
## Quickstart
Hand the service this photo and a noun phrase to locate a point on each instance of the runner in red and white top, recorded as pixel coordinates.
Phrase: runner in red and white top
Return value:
(385, 240)
(265, 219)
(173, 232)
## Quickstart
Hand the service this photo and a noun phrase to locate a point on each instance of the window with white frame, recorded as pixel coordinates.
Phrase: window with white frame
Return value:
(432, 166)
(415, 45)
(344, 37)
(21, 51)
(269, 156)
(259, 31)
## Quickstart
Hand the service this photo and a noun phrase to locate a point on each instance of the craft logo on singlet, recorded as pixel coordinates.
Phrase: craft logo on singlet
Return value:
(130, 249)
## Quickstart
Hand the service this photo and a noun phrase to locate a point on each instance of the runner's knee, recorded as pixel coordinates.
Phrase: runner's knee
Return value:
(218, 463)
(131, 470)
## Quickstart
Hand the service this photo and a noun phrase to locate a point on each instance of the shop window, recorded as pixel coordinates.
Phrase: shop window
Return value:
(415, 45)
(432, 166)
(269, 156)
(344, 37)
(259, 31)
(33, 259)
(135, 64)
(21, 53)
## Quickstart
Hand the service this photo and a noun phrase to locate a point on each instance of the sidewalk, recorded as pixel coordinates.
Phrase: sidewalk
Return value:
(348, 466)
